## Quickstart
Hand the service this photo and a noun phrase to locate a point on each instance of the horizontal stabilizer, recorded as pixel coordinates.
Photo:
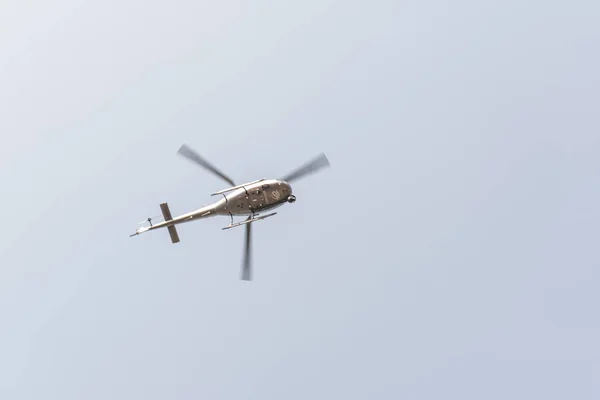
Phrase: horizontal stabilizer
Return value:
(164, 207)
(173, 233)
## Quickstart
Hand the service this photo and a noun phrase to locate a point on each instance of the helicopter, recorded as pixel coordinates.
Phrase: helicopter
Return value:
(254, 200)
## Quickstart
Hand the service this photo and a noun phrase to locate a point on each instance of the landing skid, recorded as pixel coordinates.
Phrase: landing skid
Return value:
(252, 219)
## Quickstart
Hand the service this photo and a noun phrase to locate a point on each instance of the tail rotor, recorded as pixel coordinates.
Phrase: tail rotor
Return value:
(149, 220)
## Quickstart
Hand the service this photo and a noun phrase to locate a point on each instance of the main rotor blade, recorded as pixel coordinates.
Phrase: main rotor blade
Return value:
(310, 167)
(191, 155)
(246, 276)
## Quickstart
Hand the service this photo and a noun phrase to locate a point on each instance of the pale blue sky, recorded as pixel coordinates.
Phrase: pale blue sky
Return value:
(450, 252)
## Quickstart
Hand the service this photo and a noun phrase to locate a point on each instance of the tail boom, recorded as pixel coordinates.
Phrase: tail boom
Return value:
(170, 222)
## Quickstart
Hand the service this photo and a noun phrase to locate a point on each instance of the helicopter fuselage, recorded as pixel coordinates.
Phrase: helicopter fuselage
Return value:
(256, 197)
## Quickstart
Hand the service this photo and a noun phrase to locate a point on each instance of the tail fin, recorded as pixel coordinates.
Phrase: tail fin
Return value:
(164, 207)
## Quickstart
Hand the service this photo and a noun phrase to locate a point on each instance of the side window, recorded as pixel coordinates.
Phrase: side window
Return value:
(265, 186)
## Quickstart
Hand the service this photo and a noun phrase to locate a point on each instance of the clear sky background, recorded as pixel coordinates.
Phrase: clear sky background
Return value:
(450, 252)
